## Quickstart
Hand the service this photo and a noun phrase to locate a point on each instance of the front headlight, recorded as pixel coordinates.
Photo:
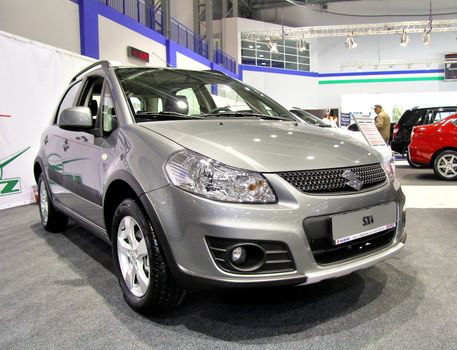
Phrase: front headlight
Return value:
(204, 176)
(389, 166)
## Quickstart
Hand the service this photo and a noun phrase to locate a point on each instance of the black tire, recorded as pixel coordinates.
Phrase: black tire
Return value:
(51, 219)
(162, 292)
(411, 164)
(443, 158)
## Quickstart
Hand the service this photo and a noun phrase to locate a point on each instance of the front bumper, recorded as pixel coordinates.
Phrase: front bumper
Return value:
(188, 220)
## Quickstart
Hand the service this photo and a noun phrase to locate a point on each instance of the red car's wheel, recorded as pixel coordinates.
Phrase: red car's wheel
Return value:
(445, 165)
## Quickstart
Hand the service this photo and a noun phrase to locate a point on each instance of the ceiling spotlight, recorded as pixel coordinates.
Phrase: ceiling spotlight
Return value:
(404, 39)
(426, 37)
(302, 45)
(273, 47)
(350, 42)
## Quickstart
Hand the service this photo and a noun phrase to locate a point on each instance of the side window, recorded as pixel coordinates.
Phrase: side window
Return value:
(137, 104)
(142, 104)
(427, 118)
(108, 113)
(91, 95)
(69, 99)
(442, 114)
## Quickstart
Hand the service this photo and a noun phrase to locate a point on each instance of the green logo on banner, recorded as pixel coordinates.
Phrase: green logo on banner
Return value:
(10, 186)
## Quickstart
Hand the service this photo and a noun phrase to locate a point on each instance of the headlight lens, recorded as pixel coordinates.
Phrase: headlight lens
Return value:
(389, 166)
(204, 176)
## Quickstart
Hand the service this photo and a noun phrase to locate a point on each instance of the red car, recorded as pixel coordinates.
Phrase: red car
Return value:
(435, 145)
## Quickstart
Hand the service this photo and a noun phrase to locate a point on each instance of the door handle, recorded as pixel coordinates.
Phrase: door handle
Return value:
(65, 145)
(84, 138)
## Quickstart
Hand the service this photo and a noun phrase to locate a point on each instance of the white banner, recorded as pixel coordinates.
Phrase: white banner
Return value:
(33, 76)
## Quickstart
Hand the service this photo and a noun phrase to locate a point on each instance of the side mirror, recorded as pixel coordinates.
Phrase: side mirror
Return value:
(76, 119)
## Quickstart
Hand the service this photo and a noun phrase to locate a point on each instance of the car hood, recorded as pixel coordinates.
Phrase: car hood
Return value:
(266, 146)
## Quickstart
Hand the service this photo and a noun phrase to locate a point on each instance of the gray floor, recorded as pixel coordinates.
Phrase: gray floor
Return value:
(58, 291)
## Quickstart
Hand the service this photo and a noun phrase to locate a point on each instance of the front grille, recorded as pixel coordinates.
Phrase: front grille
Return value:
(332, 180)
(325, 252)
(277, 256)
(319, 233)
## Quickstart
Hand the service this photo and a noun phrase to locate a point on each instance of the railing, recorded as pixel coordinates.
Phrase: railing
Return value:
(187, 38)
(152, 17)
(226, 61)
(139, 11)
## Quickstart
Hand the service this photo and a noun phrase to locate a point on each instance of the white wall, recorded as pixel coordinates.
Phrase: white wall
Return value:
(115, 38)
(54, 22)
(182, 11)
(288, 90)
(185, 62)
(34, 76)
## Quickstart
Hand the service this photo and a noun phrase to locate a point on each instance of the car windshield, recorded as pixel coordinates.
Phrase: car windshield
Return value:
(310, 119)
(174, 94)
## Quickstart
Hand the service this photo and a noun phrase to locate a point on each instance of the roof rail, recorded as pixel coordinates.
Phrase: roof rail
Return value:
(103, 64)
(215, 71)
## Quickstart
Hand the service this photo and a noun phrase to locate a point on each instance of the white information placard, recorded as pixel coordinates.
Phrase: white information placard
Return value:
(369, 131)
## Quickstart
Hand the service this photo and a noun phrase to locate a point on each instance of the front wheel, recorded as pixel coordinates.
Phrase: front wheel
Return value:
(445, 165)
(51, 219)
(139, 263)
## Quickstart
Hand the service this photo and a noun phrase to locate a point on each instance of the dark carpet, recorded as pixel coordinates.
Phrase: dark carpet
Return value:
(58, 291)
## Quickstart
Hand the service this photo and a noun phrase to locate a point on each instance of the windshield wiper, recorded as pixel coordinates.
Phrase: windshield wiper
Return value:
(164, 115)
(245, 114)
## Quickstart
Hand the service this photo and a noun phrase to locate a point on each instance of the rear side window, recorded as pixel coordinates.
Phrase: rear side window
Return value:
(442, 114)
(411, 118)
(69, 99)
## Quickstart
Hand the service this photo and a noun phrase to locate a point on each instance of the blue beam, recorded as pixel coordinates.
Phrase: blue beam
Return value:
(88, 27)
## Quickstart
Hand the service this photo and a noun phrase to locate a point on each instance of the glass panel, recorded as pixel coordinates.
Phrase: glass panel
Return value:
(247, 53)
(262, 46)
(303, 67)
(263, 54)
(304, 60)
(277, 64)
(291, 43)
(277, 56)
(290, 58)
(291, 50)
(291, 66)
(109, 119)
(265, 63)
(246, 60)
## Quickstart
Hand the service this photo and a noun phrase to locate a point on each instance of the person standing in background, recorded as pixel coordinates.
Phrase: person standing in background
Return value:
(382, 122)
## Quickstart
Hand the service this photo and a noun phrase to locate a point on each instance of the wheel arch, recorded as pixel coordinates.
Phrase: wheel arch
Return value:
(437, 153)
(123, 185)
(37, 168)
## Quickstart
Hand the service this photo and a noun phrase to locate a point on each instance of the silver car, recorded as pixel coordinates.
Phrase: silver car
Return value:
(197, 179)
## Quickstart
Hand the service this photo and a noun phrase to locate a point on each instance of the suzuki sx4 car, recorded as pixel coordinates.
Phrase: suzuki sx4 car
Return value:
(196, 179)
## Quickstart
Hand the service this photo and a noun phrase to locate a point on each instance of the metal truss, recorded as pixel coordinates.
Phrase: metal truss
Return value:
(353, 30)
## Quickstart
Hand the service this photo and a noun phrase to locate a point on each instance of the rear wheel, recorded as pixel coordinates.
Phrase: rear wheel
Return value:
(445, 165)
(139, 264)
(51, 219)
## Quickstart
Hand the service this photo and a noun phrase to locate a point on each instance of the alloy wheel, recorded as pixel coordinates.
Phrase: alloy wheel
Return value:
(44, 206)
(133, 256)
(447, 165)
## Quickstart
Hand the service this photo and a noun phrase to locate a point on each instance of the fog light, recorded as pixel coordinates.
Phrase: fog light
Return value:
(238, 256)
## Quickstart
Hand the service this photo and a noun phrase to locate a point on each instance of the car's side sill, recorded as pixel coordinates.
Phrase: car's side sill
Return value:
(88, 225)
